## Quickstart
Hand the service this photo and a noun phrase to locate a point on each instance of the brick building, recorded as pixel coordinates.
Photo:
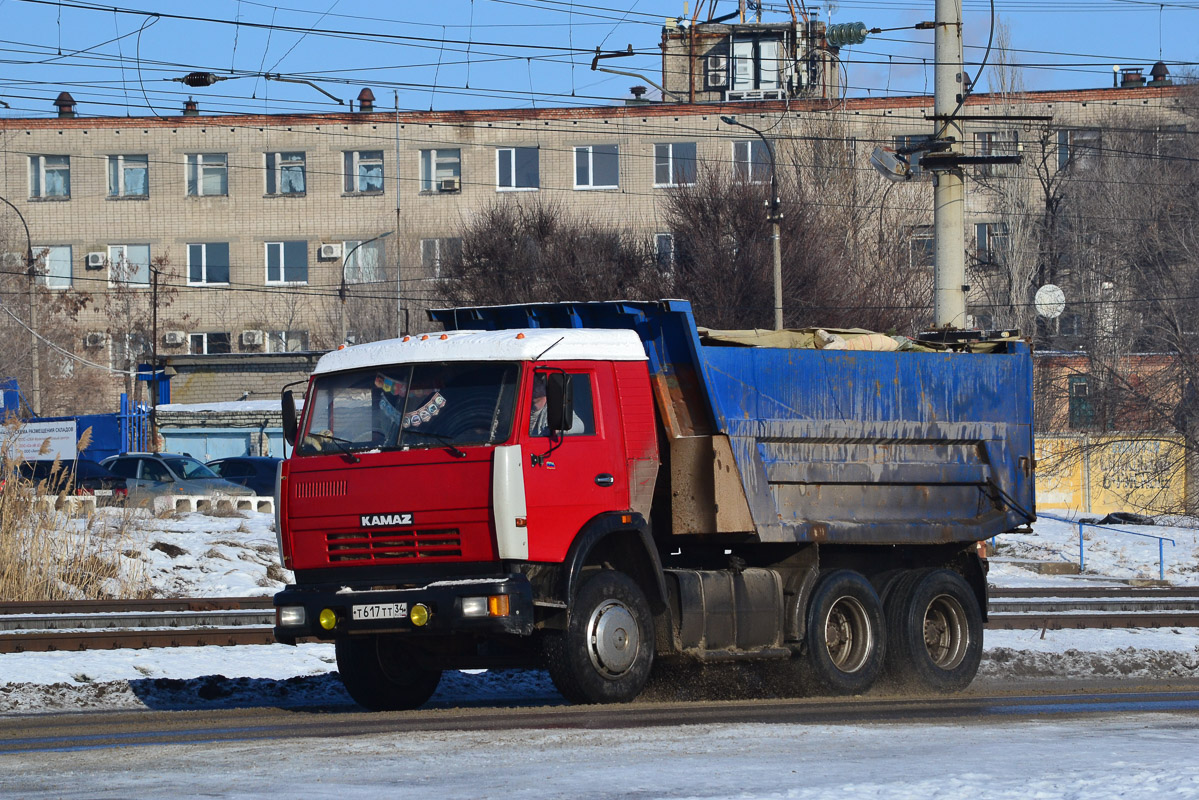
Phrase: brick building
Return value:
(253, 227)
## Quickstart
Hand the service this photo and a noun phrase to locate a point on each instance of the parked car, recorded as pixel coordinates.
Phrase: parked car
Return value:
(80, 476)
(149, 474)
(257, 473)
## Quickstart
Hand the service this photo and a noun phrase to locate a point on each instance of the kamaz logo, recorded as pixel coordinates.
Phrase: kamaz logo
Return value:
(384, 520)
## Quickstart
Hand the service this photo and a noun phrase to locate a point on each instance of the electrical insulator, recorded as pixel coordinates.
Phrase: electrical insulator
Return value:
(846, 33)
(199, 79)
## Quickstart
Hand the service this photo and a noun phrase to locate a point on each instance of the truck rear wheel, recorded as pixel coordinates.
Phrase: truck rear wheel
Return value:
(606, 652)
(379, 673)
(935, 631)
(844, 642)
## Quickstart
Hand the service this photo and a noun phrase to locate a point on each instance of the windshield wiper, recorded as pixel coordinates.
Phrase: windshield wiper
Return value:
(343, 444)
(441, 437)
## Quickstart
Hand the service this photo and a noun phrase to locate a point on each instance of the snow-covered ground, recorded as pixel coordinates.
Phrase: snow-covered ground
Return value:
(202, 555)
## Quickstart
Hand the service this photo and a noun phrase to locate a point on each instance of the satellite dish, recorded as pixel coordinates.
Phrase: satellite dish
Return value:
(1050, 301)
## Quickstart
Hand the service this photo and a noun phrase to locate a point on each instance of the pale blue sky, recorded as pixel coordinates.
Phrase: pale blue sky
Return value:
(456, 54)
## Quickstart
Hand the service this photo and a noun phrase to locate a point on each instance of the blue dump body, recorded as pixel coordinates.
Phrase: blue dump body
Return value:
(834, 446)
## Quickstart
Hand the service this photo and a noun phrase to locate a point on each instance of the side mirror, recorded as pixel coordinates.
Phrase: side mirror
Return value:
(559, 401)
(290, 424)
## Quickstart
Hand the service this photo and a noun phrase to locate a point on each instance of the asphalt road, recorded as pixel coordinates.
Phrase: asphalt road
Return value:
(983, 703)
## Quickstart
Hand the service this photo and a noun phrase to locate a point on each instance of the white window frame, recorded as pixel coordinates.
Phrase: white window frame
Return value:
(432, 265)
(436, 161)
(743, 158)
(353, 249)
(1079, 148)
(664, 155)
(921, 233)
(509, 154)
(278, 341)
(204, 265)
(986, 234)
(118, 166)
(283, 264)
(44, 254)
(202, 338)
(589, 149)
(37, 176)
(282, 166)
(200, 165)
(352, 163)
(118, 253)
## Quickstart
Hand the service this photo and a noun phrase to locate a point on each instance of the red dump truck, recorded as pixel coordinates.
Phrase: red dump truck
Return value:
(594, 488)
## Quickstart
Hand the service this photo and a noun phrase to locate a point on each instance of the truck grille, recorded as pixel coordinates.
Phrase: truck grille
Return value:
(310, 489)
(377, 546)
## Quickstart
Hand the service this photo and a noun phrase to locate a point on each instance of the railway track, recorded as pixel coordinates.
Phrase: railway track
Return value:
(202, 621)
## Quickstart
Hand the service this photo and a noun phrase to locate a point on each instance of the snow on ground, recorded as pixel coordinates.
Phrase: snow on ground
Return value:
(202, 555)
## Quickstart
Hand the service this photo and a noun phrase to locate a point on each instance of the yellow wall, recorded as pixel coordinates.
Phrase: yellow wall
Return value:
(1101, 474)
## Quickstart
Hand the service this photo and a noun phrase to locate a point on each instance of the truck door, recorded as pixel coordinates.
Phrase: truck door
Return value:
(573, 477)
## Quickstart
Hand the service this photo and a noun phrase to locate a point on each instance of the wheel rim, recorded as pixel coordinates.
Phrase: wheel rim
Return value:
(848, 637)
(613, 638)
(945, 634)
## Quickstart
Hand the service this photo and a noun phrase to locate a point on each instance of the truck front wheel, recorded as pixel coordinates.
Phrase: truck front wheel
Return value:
(935, 631)
(844, 643)
(379, 673)
(606, 652)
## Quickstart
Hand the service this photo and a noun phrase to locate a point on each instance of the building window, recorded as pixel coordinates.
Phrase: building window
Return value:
(287, 262)
(1078, 149)
(207, 174)
(363, 262)
(921, 247)
(127, 349)
(440, 170)
(597, 166)
(285, 173)
(128, 176)
(53, 266)
(50, 176)
(129, 264)
(1082, 410)
(517, 169)
(674, 164)
(912, 148)
(664, 254)
(209, 343)
(751, 161)
(995, 143)
(286, 341)
(363, 171)
(992, 242)
(435, 254)
(208, 263)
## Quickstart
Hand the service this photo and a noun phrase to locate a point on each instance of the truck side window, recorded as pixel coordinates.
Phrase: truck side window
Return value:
(583, 423)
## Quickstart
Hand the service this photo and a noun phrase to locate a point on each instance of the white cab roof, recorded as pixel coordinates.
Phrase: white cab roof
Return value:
(557, 344)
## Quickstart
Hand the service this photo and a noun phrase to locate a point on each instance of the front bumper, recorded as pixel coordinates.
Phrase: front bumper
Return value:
(357, 610)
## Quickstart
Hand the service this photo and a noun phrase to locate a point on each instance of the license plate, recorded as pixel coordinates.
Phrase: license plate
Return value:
(381, 611)
(104, 493)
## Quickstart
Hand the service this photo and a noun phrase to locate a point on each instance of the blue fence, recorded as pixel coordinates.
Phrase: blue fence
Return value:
(1082, 556)
(111, 434)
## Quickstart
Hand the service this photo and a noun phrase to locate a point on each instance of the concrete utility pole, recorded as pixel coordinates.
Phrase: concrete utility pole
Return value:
(774, 216)
(949, 190)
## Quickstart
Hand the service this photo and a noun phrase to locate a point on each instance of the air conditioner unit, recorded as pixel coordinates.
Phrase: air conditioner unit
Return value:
(256, 338)
(95, 339)
(329, 252)
(174, 338)
(718, 71)
(14, 260)
(448, 185)
(97, 260)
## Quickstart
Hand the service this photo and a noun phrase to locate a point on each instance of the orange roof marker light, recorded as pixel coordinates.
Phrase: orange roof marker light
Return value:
(520, 336)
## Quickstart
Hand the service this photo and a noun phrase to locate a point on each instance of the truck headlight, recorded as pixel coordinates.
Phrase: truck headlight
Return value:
(291, 617)
(474, 606)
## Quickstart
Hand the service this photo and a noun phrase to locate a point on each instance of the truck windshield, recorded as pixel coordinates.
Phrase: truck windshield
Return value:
(411, 405)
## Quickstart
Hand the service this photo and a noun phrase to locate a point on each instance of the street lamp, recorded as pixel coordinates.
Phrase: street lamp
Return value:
(36, 392)
(774, 216)
(341, 292)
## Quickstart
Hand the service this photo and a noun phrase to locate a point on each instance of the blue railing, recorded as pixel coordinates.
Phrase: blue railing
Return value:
(135, 425)
(1082, 562)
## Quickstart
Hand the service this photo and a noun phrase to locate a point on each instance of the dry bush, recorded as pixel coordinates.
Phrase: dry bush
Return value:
(47, 554)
